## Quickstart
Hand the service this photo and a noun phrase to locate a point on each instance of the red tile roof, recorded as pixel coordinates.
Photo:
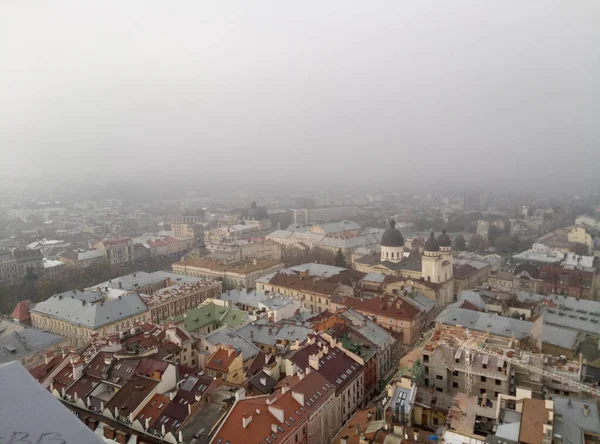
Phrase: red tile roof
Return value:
(21, 311)
(389, 306)
(260, 426)
(221, 360)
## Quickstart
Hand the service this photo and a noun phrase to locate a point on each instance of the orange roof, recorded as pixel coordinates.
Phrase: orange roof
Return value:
(222, 359)
(264, 424)
(153, 409)
(21, 311)
(387, 306)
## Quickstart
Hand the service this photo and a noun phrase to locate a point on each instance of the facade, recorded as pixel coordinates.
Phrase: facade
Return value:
(592, 222)
(54, 269)
(170, 247)
(580, 235)
(79, 314)
(82, 258)
(8, 267)
(30, 261)
(466, 276)
(117, 251)
(176, 299)
(342, 230)
(243, 273)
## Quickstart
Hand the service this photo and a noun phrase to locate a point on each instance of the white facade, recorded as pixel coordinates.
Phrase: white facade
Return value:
(392, 254)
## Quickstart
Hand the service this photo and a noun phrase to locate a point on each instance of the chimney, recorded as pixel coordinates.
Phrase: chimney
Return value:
(77, 365)
(48, 357)
(586, 410)
(172, 395)
(416, 435)
(285, 388)
(146, 423)
(308, 370)
(263, 381)
(357, 431)
(120, 284)
(344, 440)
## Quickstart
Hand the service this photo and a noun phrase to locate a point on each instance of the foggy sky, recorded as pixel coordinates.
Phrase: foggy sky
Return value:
(455, 93)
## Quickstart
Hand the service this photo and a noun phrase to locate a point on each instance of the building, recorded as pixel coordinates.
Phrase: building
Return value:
(210, 315)
(29, 261)
(592, 222)
(79, 314)
(391, 312)
(469, 275)
(27, 345)
(129, 387)
(54, 269)
(243, 273)
(323, 214)
(343, 230)
(302, 411)
(8, 267)
(360, 335)
(434, 266)
(82, 258)
(274, 307)
(580, 234)
(226, 363)
(170, 247)
(483, 229)
(117, 251)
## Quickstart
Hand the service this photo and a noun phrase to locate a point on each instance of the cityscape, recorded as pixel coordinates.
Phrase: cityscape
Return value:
(254, 224)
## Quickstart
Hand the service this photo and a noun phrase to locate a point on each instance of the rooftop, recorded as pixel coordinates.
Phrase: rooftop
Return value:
(227, 336)
(16, 342)
(571, 421)
(34, 412)
(209, 313)
(242, 267)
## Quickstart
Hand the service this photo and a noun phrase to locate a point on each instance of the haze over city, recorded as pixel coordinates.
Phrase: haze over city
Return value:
(460, 93)
(267, 222)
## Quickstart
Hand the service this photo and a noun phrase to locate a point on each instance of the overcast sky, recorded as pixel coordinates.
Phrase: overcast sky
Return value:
(460, 92)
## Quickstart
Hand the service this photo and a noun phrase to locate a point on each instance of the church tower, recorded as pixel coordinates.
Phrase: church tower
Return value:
(432, 261)
(392, 244)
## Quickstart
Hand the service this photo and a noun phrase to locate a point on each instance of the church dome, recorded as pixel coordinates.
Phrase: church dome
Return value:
(392, 236)
(431, 244)
(443, 240)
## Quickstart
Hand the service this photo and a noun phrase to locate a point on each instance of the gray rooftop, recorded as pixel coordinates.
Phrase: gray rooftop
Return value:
(267, 333)
(130, 282)
(318, 270)
(475, 320)
(573, 422)
(581, 315)
(244, 296)
(35, 414)
(367, 328)
(227, 336)
(560, 337)
(17, 342)
(90, 308)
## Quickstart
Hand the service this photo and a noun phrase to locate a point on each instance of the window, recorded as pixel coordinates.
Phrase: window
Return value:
(439, 377)
(455, 372)
(482, 391)
(483, 379)
(455, 385)
(439, 389)
(498, 382)
(435, 421)
(426, 382)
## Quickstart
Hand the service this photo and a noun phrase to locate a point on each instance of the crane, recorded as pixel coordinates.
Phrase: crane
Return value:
(469, 346)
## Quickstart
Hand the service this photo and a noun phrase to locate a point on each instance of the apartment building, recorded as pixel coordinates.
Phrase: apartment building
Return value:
(342, 369)
(301, 413)
(79, 314)
(391, 312)
(117, 251)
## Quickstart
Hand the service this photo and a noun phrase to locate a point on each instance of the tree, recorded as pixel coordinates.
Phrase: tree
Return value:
(506, 243)
(459, 243)
(340, 260)
(477, 244)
